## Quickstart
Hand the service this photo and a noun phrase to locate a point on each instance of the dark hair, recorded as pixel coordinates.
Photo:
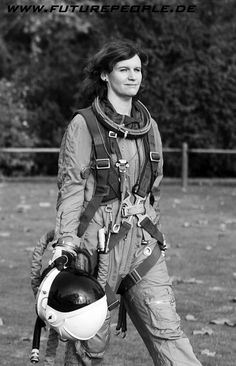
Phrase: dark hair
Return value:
(104, 61)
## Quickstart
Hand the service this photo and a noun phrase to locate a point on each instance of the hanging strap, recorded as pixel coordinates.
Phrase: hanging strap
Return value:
(122, 319)
(148, 225)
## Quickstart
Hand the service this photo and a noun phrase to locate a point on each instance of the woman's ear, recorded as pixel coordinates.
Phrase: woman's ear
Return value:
(104, 76)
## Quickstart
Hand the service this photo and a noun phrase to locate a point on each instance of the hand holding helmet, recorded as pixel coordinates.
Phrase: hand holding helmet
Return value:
(65, 251)
(69, 299)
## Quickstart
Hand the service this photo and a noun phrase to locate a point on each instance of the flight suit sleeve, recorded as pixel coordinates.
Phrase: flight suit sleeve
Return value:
(73, 173)
(156, 186)
(36, 263)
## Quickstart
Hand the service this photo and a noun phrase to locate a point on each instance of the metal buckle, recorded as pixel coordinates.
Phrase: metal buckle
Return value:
(116, 228)
(122, 164)
(103, 164)
(135, 276)
(147, 251)
(125, 211)
(108, 209)
(140, 219)
(133, 210)
(154, 156)
(112, 134)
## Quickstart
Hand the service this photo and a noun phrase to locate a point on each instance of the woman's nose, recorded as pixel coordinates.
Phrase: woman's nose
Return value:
(131, 75)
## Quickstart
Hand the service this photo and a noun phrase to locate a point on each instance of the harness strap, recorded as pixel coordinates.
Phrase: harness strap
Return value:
(112, 300)
(150, 168)
(143, 222)
(102, 171)
(108, 186)
(154, 156)
(148, 225)
(137, 274)
(122, 319)
(142, 187)
(115, 238)
(112, 146)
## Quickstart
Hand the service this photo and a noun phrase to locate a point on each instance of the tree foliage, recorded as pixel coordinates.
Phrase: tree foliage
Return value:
(190, 85)
(14, 129)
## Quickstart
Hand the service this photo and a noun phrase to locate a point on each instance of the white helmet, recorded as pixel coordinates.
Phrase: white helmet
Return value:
(73, 303)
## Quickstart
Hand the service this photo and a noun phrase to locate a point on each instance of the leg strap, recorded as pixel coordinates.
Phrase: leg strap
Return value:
(136, 275)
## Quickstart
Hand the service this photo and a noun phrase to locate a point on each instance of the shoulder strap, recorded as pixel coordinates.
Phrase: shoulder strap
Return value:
(150, 168)
(102, 165)
(154, 155)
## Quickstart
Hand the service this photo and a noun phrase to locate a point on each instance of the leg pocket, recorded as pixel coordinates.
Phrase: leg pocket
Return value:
(164, 321)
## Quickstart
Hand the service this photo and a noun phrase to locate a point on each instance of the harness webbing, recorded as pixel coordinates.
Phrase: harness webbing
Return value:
(108, 187)
(154, 157)
(150, 168)
(102, 171)
(113, 178)
(137, 274)
(148, 225)
(107, 179)
(142, 187)
(115, 238)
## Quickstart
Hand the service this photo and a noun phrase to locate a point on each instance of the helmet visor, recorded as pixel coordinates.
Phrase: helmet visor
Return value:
(72, 290)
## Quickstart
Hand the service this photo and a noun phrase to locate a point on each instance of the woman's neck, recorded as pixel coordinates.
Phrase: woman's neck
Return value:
(122, 105)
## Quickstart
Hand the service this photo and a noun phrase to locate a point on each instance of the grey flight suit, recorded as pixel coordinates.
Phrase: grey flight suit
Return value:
(150, 303)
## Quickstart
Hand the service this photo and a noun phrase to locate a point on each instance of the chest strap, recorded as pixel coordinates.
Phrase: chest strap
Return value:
(137, 209)
(144, 223)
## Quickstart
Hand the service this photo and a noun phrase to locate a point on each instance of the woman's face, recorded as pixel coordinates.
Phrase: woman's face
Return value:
(125, 78)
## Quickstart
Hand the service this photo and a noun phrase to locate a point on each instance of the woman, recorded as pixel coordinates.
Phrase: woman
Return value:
(110, 169)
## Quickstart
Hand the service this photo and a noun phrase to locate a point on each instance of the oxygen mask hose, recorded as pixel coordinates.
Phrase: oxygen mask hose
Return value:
(39, 324)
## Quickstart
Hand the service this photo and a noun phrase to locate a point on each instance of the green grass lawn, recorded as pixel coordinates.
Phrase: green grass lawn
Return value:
(200, 227)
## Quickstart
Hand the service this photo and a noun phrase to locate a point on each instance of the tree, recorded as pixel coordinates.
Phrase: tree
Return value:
(14, 129)
(190, 83)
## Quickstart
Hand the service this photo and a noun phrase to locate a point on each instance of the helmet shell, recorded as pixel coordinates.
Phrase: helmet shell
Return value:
(73, 303)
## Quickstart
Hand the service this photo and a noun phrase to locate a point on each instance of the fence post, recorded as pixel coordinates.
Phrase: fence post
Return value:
(184, 165)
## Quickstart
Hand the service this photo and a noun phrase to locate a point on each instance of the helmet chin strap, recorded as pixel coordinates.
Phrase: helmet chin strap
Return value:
(121, 129)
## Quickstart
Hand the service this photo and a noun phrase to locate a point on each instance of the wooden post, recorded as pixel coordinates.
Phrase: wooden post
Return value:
(184, 165)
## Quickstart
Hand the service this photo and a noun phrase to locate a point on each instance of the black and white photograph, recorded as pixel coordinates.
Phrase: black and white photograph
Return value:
(118, 183)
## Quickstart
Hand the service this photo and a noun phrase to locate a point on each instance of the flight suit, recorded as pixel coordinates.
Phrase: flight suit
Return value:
(150, 303)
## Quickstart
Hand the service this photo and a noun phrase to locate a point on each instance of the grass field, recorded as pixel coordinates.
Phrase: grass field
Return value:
(200, 227)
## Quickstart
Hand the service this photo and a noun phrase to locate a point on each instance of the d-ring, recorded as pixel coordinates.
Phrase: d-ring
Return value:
(147, 251)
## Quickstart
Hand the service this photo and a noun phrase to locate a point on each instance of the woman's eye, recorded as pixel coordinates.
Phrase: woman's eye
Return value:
(136, 70)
